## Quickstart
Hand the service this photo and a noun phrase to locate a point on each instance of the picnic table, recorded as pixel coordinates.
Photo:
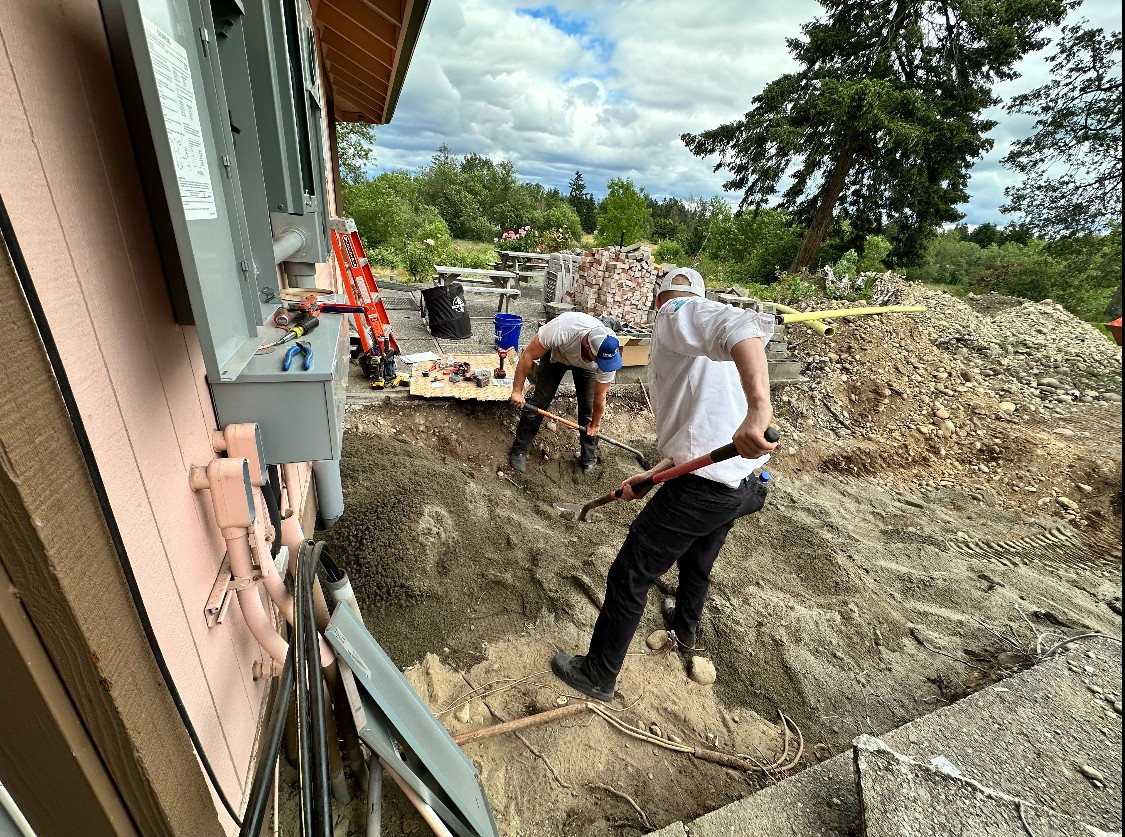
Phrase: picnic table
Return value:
(532, 263)
(475, 280)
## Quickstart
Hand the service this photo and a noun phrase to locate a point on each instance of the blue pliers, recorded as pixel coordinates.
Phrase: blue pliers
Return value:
(296, 349)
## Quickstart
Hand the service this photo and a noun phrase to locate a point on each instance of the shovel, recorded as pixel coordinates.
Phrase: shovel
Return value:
(572, 511)
(640, 456)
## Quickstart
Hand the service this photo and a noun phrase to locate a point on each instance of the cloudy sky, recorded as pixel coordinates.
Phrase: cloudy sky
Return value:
(607, 86)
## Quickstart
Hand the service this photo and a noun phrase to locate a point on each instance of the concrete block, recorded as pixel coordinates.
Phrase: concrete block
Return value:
(674, 830)
(901, 796)
(821, 802)
(1030, 736)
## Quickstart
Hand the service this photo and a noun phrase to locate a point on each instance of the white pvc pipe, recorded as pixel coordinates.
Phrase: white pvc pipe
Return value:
(428, 814)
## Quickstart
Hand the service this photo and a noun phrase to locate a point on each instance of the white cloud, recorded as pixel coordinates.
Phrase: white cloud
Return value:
(608, 87)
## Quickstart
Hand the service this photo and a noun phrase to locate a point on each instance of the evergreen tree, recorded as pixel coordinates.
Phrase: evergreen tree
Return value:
(1071, 165)
(583, 203)
(883, 116)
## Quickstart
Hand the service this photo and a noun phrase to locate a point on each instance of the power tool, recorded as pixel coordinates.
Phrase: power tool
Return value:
(388, 375)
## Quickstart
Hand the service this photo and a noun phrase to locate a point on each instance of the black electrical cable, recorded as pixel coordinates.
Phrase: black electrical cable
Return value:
(304, 741)
(272, 494)
(318, 726)
(332, 570)
(55, 359)
(267, 761)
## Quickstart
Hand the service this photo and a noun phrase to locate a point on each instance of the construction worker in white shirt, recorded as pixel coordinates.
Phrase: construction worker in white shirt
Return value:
(709, 384)
(581, 345)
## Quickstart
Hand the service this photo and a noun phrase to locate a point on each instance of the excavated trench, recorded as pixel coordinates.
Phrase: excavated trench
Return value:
(851, 603)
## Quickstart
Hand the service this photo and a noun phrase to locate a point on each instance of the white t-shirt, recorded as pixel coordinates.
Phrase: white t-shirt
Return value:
(697, 395)
(563, 336)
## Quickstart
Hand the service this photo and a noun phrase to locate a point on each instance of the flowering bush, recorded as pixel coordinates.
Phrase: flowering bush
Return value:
(529, 240)
(517, 240)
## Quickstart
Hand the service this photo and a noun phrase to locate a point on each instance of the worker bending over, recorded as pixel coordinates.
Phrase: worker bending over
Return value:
(581, 345)
(710, 385)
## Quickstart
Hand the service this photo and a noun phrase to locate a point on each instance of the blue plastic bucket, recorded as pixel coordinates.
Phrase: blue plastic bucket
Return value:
(508, 327)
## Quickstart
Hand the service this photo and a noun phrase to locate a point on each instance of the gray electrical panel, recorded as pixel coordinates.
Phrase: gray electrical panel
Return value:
(165, 53)
(224, 104)
(300, 414)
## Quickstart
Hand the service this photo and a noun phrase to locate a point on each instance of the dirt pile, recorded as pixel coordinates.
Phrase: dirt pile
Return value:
(955, 396)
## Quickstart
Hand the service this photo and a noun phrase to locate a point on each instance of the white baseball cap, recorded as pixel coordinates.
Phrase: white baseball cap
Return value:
(696, 285)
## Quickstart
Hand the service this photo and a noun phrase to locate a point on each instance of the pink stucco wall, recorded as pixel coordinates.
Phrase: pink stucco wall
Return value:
(71, 186)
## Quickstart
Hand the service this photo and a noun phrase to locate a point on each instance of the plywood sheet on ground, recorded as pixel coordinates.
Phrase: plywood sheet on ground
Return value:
(464, 390)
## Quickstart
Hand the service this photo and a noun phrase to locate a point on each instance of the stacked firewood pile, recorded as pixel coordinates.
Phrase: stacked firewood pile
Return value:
(617, 282)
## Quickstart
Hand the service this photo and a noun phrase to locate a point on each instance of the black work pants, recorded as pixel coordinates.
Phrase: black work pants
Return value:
(546, 386)
(685, 523)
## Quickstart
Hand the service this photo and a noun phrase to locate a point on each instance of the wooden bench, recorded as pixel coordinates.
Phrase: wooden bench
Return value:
(506, 295)
(503, 283)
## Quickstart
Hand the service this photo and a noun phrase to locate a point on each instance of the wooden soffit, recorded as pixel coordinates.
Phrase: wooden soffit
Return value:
(367, 46)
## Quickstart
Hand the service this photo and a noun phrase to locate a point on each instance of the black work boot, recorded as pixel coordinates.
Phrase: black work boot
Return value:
(687, 643)
(568, 669)
(518, 460)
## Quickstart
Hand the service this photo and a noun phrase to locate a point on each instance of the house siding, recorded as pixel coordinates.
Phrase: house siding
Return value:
(71, 186)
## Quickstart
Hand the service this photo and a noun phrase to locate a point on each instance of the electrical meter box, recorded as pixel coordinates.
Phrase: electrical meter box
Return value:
(300, 413)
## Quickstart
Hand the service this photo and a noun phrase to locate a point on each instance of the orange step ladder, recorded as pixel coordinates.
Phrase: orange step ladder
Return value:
(362, 290)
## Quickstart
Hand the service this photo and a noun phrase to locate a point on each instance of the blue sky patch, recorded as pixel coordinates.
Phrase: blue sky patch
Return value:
(575, 25)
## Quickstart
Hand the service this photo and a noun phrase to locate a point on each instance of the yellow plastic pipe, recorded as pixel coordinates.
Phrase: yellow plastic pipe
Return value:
(820, 328)
(815, 316)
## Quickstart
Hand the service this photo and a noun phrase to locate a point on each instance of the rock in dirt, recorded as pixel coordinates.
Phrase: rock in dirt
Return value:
(1068, 504)
(703, 671)
(1091, 773)
(657, 640)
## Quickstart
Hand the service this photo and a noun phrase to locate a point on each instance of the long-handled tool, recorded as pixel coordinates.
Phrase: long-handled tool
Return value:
(572, 511)
(640, 456)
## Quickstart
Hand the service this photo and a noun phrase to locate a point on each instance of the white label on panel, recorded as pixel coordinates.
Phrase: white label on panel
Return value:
(181, 118)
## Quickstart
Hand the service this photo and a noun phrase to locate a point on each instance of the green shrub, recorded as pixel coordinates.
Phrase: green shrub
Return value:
(848, 264)
(876, 248)
(385, 257)
(559, 227)
(670, 252)
(761, 244)
(382, 215)
(792, 288)
(480, 258)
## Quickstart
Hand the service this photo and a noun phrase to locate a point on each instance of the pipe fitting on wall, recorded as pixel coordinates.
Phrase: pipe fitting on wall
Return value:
(243, 441)
(232, 495)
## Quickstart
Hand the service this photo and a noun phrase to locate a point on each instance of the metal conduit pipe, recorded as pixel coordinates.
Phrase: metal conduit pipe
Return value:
(285, 245)
(375, 798)
(253, 611)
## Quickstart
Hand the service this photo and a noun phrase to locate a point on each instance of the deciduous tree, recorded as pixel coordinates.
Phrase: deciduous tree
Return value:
(355, 150)
(623, 216)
